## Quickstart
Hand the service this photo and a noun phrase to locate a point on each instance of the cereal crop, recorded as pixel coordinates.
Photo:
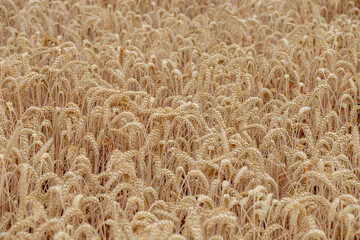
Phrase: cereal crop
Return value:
(179, 119)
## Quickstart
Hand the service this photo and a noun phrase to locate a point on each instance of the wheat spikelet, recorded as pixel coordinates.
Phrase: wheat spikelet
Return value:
(23, 189)
(315, 233)
(193, 225)
(86, 229)
(53, 224)
(176, 237)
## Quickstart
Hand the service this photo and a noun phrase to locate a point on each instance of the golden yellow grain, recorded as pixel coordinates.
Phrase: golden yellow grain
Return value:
(214, 119)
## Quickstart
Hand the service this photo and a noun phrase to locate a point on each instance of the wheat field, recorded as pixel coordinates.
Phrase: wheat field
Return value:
(179, 119)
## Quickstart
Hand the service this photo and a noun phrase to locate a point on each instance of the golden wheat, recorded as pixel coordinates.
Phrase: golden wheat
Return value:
(179, 119)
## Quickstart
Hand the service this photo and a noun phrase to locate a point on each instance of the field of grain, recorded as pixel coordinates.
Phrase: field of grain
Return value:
(179, 119)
